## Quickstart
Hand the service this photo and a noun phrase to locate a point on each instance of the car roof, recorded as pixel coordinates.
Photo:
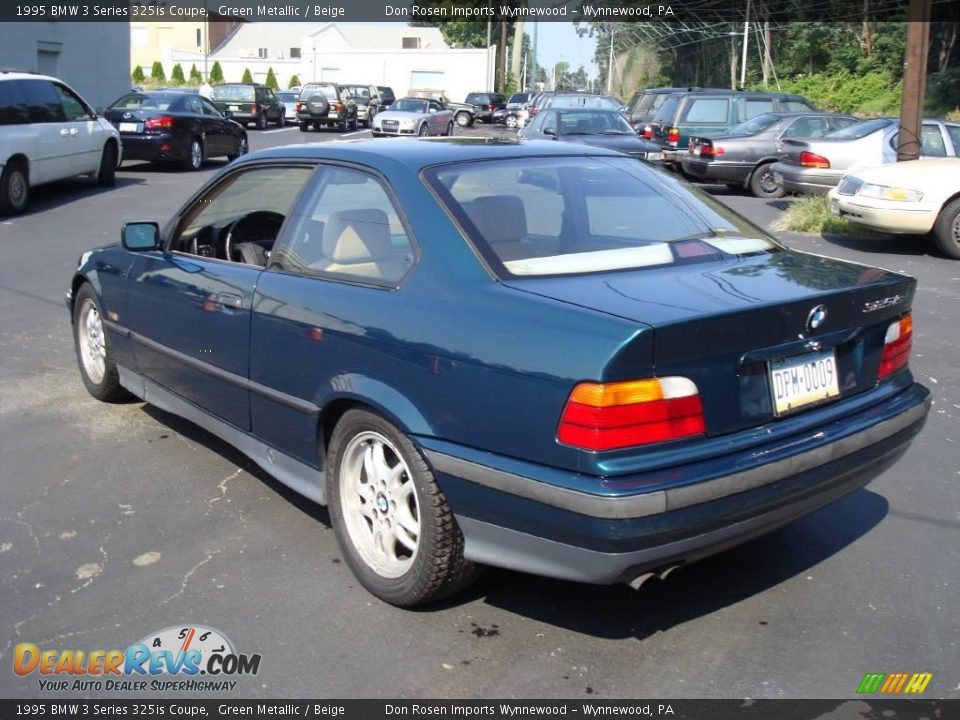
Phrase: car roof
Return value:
(25, 75)
(417, 154)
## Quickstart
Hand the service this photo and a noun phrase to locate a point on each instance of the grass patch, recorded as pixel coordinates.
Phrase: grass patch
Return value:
(812, 215)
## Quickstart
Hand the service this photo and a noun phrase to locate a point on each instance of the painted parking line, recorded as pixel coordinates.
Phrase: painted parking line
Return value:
(358, 132)
(283, 129)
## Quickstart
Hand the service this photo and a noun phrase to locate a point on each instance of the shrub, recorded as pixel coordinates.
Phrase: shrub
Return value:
(216, 74)
(138, 75)
(156, 73)
(176, 75)
(195, 77)
(271, 81)
(247, 76)
(812, 215)
(294, 81)
(875, 92)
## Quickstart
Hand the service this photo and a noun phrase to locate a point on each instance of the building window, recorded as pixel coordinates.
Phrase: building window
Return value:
(426, 80)
(294, 53)
(48, 58)
(261, 52)
(199, 37)
(411, 43)
(139, 37)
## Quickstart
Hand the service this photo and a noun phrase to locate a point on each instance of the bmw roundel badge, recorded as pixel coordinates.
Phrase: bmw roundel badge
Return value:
(817, 317)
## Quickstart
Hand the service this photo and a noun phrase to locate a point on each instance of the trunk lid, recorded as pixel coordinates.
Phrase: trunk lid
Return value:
(724, 323)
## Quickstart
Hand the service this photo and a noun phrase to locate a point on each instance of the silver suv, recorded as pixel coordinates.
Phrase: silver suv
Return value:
(47, 133)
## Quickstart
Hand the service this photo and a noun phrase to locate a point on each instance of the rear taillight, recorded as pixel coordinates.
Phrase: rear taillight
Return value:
(647, 132)
(534, 110)
(606, 416)
(673, 136)
(255, 108)
(809, 159)
(338, 107)
(896, 346)
(711, 150)
(164, 122)
(490, 107)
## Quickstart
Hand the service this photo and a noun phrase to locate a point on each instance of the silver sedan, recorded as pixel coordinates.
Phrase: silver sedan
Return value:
(413, 116)
(813, 166)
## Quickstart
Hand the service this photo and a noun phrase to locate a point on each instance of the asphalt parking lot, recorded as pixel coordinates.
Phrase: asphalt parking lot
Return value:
(119, 520)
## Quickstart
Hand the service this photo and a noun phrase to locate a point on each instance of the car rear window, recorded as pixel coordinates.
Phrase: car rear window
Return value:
(584, 101)
(706, 110)
(328, 91)
(860, 130)
(667, 110)
(136, 101)
(572, 215)
(755, 125)
(243, 93)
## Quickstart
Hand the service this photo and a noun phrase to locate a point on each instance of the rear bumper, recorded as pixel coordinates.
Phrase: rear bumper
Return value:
(153, 148)
(683, 513)
(715, 170)
(806, 181)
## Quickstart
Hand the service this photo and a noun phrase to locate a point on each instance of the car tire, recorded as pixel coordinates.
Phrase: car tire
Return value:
(391, 519)
(261, 122)
(946, 231)
(194, 159)
(355, 124)
(463, 119)
(243, 147)
(107, 174)
(762, 184)
(281, 120)
(14, 188)
(510, 121)
(424, 131)
(304, 126)
(449, 129)
(98, 369)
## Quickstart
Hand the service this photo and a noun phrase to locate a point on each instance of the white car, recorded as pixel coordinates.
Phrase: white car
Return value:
(913, 197)
(47, 133)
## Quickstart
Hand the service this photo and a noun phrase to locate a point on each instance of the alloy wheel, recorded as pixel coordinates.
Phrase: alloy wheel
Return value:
(93, 348)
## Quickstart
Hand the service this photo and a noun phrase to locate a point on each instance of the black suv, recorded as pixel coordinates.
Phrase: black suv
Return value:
(486, 103)
(707, 113)
(249, 103)
(368, 101)
(326, 104)
(387, 97)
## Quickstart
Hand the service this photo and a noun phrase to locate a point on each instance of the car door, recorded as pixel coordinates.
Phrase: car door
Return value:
(87, 135)
(217, 126)
(53, 143)
(324, 304)
(189, 307)
(437, 118)
(933, 144)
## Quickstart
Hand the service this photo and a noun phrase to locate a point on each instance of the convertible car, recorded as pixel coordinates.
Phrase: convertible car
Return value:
(547, 357)
(414, 116)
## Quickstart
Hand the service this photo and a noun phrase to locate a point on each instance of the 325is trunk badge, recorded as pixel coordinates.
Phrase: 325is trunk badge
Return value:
(886, 302)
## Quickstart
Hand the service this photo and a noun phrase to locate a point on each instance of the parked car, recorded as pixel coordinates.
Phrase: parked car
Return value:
(367, 98)
(387, 96)
(249, 103)
(414, 116)
(175, 126)
(706, 113)
(47, 133)
(486, 104)
(644, 104)
(744, 157)
(480, 353)
(289, 99)
(812, 167)
(463, 113)
(511, 117)
(914, 198)
(518, 100)
(601, 128)
(326, 104)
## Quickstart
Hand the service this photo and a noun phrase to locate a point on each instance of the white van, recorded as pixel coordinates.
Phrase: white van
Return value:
(48, 133)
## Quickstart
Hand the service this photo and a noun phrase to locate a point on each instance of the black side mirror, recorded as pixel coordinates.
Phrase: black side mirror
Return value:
(140, 236)
(550, 131)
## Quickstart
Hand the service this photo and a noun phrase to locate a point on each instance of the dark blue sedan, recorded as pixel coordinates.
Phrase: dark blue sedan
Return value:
(547, 357)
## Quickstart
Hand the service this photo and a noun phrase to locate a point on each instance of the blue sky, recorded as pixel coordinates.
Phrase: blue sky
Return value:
(558, 41)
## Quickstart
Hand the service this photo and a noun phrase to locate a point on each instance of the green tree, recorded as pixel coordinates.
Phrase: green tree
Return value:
(138, 76)
(195, 77)
(561, 76)
(176, 75)
(216, 74)
(294, 81)
(271, 81)
(156, 72)
(247, 76)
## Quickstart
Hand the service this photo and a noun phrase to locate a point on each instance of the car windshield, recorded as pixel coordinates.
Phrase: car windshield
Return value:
(860, 130)
(410, 105)
(359, 92)
(571, 215)
(288, 96)
(584, 101)
(138, 101)
(755, 125)
(244, 93)
(593, 122)
(328, 91)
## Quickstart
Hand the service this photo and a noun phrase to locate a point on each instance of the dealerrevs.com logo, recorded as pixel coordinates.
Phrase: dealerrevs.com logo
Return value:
(181, 658)
(893, 683)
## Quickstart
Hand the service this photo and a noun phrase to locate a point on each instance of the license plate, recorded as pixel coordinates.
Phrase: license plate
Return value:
(332, 114)
(130, 127)
(233, 107)
(696, 151)
(802, 380)
(834, 206)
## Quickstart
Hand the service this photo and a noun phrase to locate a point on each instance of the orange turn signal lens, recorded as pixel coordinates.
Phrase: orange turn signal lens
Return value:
(620, 393)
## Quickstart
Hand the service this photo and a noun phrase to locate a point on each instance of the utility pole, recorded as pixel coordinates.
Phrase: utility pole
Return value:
(536, 74)
(610, 64)
(489, 84)
(746, 39)
(914, 79)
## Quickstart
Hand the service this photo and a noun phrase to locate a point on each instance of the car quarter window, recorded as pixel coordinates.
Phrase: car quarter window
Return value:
(810, 127)
(193, 105)
(758, 107)
(706, 110)
(249, 205)
(13, 105)
(350, 229)
(794, 106)
(209, 108)
(953, 131)
(932, 141)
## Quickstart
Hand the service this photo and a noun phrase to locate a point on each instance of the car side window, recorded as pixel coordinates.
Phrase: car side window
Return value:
(758, 107)
(549, 121)
(43, 102)
(248, 206)
(209, 108)
(931, 141)
(73, 107)
(810, 127)
(794, 106)
(707, 110)
(193, 105)
(351, 230)
(952, 130)
(13, 105)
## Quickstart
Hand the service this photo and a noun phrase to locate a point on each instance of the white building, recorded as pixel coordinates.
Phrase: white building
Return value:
(91, 57)
(404, 58)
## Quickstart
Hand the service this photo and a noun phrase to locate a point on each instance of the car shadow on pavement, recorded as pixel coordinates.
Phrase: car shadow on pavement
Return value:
(53, 195)
(170, 168)
(702, 588)
(887, 244)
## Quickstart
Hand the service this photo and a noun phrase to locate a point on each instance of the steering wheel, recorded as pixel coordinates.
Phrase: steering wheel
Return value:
(256, 225)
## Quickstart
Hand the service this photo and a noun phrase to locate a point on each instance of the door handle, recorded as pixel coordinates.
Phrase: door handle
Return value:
(230, 300)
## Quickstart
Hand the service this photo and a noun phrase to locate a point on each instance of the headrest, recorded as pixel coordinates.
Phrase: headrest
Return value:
(360, 235)
(499, 218)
